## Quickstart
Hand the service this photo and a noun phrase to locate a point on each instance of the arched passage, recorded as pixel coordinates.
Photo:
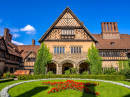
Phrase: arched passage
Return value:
(51, 67)
(66, 66)
(83, 66)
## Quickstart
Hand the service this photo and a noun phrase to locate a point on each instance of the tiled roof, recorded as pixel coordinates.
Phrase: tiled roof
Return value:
(27, 48)
(122, 43)
(13, 49)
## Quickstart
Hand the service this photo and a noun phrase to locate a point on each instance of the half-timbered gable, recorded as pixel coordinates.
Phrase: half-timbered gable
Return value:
(67, 27)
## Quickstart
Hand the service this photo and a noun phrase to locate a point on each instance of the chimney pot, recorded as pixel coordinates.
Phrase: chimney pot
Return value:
(33, 42)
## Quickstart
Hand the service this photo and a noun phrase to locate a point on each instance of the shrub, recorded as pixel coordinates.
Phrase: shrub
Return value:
(7, 75)
(85, 73)
(123, 71)
(50, 73)
(110, 71)
(67, 72)
(128, 74)
(103, 77)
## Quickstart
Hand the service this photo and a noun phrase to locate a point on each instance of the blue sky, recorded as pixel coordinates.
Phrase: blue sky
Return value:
(29, 19)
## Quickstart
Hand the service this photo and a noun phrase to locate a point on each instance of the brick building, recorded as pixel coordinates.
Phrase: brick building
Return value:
(69, 41)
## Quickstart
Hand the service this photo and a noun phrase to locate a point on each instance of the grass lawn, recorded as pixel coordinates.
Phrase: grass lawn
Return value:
(4, 84)
(36, 89)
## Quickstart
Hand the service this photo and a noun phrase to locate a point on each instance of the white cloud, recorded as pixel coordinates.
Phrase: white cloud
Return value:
(30, 29)
(14, 30)
(17, 43)
(1, 20)
(16, 35)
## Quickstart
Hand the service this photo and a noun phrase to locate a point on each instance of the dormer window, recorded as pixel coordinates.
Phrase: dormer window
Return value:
(97, 43)
(112, 43)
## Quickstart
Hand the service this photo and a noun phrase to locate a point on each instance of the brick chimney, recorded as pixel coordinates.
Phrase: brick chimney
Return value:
(110, 30)
(33, 42)
(7, 35)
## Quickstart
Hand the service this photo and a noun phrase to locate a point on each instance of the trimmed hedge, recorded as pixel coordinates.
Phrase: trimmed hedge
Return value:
(103, 77)
(6, 80)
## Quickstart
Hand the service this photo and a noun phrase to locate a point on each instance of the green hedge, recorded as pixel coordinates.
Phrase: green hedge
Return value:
(6, 80)
(103, 77)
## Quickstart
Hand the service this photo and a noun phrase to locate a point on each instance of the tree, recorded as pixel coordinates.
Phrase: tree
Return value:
(94, 60)
(43, 58)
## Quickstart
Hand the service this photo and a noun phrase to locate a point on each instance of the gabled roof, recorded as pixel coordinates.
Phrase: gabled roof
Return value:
(25, 49)
(30, 53)
(61, 15)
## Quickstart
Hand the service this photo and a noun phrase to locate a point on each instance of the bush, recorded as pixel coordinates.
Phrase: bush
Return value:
(123, 71)
(128, 74)
(85, 73)
(110, 71)
(8, 75)
(50, 73)
(103, 77)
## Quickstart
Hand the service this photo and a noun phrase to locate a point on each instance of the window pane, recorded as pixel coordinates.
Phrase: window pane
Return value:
(79, 49)
(57, 49)
(63, 50)
(71, 49)
(74, 50)
(72, 32)
(60, 49)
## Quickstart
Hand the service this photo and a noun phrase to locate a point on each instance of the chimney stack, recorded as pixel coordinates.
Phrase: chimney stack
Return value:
(33, 42)
(110, 30)
(7, 35)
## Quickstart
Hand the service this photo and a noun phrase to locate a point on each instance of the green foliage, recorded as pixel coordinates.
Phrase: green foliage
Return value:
(128, 74)
(110, 71)
(124, 64)
(103, 77)
(43, 58)
(94, 60)
(123, 71)
(7, 75)
(50, 73)
(67, 72)
(85, 73)
(71, 71)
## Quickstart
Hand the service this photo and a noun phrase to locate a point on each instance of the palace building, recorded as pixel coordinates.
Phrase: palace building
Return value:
(68, 40)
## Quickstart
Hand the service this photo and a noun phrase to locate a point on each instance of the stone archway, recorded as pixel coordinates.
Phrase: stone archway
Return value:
(66, 66)
(83, 66)
(51, 67)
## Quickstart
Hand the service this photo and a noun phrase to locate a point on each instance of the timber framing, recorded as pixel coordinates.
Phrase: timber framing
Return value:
(75, 17)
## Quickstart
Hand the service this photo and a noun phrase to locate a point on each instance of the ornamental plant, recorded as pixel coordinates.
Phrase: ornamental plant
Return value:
(94, 60)
(43, 58)
(70, 84)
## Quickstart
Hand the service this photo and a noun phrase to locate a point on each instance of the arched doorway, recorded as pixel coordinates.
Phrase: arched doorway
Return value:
(83, 67)
(51, 67)
(66, 66)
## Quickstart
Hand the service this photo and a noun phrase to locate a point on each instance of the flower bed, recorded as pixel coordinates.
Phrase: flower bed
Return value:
(70, 84)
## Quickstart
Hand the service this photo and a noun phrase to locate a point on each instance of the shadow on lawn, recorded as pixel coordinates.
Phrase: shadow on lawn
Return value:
(33, 91)
(87, 94)
(127, 95)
